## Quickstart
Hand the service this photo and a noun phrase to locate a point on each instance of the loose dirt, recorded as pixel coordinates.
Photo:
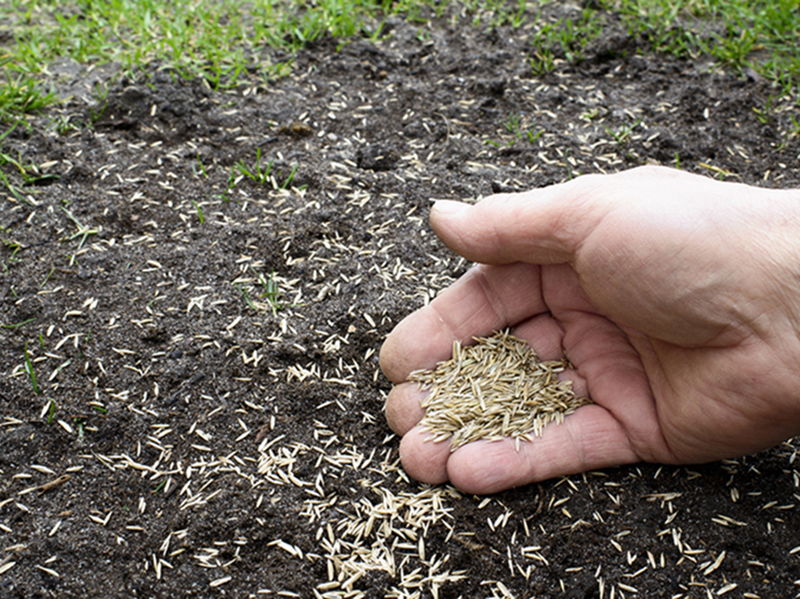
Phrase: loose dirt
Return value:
(205, 343)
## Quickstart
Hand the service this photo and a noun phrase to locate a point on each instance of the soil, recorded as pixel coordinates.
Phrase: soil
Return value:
(205, 345)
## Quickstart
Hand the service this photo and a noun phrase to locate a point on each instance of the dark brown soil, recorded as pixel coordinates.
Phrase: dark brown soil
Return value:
(166, 378)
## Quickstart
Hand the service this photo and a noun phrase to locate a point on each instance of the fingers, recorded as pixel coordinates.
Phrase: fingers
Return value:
(543, 226)
(403, 407)
(548, 225)
(589, 439)
(484, 300)
(423, 459)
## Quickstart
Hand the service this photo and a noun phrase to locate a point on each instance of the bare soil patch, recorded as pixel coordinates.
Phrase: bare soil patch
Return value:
(205, 346)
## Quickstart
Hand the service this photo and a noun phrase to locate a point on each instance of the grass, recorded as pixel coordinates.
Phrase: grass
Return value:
(229, 42)
(221, 41)
(30, 173)
(83, 232)
(271, 294)
(274, 297)
(565, 38)
(257, 173)
(742, 34)
(30, 372)
(22, 94)
(624, 132)
(17, 325)
(199, 212)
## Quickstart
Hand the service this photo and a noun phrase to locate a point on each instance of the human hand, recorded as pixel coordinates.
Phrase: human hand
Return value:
(675, 297)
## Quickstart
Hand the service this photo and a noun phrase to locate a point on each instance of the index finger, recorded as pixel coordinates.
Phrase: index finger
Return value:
(484, 300)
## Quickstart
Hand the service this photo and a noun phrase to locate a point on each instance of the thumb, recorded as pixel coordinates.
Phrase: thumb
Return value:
(543, 226)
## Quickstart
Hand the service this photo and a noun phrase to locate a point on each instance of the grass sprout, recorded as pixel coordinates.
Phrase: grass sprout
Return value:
(199, 212)
(246, 296)
(49, 410)
(290, 178)
(29, 370)
(83, 232)
(17, 325)
(274, 297)
(30, 173)
(256, 172)
(622, 135)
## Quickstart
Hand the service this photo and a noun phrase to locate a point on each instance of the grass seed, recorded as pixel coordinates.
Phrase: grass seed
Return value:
(494, 389)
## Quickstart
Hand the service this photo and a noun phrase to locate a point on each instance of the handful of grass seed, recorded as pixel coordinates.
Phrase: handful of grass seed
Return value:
(497, 388)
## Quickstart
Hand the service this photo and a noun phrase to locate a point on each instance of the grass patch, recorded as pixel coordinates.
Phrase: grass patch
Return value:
(20, 95)
(742, 34)
(221, 41)
(228, 41)
(565, 38)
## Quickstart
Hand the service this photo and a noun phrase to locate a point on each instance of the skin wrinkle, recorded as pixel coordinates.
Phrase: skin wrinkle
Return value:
(498, 236)
(637, 441)
(492, 298)
(577, 444)
(443, 321)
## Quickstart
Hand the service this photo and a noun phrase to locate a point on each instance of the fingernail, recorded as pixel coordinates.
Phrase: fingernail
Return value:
(448, 207)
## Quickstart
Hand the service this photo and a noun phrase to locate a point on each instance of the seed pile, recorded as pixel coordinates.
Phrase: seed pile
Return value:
(495, 389)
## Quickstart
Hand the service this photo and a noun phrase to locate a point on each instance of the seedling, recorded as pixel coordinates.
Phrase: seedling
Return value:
(29, 370)
(201, 167)
(63, 124)
(246, 296)
(542, 62)
(49, 410)
(83, 232)
(19, 324)
(290, 178)
(271, 293)
(763, 116)
(590, 115)
(47, 278)
(256, 172)
(532, 137)
(15, 247)
(512, 124)
(624, 133)
(199, 212)
(791, 133)
(30, 173)
(96, 112)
